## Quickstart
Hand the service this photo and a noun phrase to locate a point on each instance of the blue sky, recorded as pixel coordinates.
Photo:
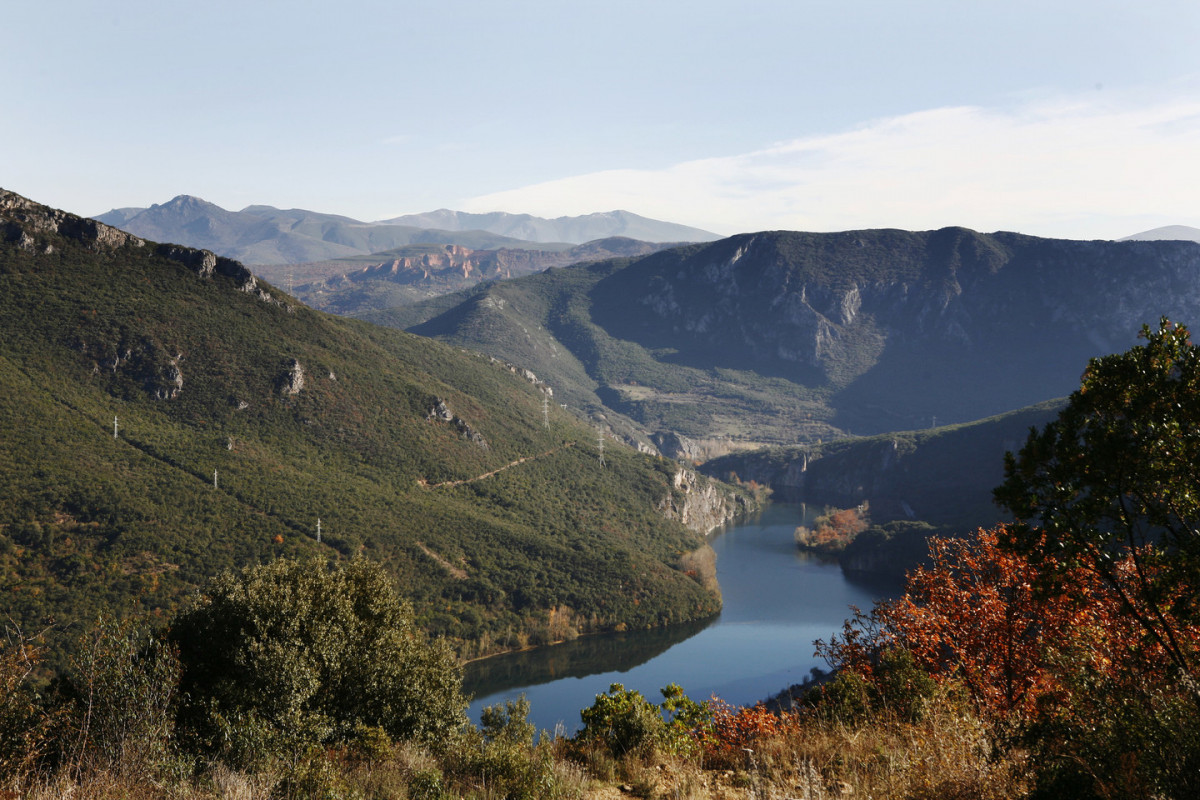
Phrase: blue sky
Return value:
(1073, 119)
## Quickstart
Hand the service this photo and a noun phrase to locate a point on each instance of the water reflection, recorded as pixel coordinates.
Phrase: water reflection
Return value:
(776, 602)
(589, 655)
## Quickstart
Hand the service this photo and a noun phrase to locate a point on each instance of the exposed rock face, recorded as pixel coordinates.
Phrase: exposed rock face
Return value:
(440, 412)
(27, 216)
(702, 504)
(910, 325)
(291, 381)
(429, 270)
(141, 359)
(24, 215)
(677, 446)
(172, 380)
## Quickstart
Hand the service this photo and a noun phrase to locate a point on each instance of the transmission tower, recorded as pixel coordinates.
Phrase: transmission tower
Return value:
(115, 427)
(546, 411)
(600, 435)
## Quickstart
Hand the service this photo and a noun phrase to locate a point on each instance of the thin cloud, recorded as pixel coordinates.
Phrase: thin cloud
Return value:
(1081, 168)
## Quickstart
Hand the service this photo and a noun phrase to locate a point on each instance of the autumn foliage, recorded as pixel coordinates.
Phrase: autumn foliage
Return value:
(734, 730)
(833, 530)
(989, 619)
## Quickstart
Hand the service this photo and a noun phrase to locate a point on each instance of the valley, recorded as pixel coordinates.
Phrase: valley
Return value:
(535, 460)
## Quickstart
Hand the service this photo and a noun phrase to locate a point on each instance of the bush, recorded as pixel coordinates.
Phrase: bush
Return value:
(22, 724)
(623, 721)
(902, 686)
(119, 697)
(501, 758)
(281, 657)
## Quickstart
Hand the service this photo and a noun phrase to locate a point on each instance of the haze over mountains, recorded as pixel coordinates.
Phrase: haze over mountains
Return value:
(408, 274)
(1184, 233)
(260, 234)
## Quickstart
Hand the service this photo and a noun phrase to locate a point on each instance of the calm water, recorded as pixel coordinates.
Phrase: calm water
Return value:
(777, 601)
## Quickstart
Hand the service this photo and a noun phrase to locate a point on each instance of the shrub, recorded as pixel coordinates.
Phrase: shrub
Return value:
(119, 694)
(22, 725)
(623, 721)
(281, 657)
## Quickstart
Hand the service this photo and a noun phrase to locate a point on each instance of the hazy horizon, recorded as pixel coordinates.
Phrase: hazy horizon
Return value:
(1075, 120)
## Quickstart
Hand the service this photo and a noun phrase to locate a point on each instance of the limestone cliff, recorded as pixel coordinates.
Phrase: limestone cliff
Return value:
(703, 504)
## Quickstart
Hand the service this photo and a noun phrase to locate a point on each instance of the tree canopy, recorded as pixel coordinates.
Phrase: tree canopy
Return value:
(1112, 485)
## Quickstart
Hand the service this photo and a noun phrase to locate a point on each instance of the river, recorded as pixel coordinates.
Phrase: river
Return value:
(777, 601)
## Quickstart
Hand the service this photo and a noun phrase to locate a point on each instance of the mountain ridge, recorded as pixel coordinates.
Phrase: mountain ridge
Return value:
(1184, 233)
(813, 336)
(261, 234)
(576, 230)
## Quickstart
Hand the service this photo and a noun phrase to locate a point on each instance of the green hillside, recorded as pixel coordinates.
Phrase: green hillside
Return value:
(381, 435)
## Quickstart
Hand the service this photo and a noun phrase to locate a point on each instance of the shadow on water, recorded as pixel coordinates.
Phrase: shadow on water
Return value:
(588, 655)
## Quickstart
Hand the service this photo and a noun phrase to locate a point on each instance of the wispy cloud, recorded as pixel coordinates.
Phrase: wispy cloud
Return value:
(1097, 166)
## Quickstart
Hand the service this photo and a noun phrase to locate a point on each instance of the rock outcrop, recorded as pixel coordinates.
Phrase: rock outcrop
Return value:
(440, 412)
(28, 222)
(677, 446)
(291, 382)
(703, 504)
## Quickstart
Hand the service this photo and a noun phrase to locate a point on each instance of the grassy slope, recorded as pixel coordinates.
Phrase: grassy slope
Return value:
(90, 522)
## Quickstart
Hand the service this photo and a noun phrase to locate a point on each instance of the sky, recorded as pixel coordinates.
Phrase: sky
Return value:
(1066, 119)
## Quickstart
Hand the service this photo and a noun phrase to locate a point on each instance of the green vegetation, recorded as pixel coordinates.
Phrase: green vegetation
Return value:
(1115, 475)
(196, 371)
(291, 655)
(548, 323)
(1053, 658)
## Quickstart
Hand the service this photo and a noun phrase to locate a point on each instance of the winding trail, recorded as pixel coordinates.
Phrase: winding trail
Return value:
(424, 484)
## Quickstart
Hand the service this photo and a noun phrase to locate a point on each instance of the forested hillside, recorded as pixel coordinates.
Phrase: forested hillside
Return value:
(167, 416)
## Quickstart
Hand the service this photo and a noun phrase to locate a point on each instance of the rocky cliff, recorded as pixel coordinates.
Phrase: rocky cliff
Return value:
(417, 271)
(703, 505)
(903, 328)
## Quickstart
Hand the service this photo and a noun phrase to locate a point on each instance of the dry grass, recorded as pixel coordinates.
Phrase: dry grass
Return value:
(947, 755)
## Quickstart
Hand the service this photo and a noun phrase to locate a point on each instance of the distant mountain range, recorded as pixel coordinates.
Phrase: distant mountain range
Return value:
(1180, 233)
(561, 229)
(416, 272)
(261, 234)
(786, 338)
